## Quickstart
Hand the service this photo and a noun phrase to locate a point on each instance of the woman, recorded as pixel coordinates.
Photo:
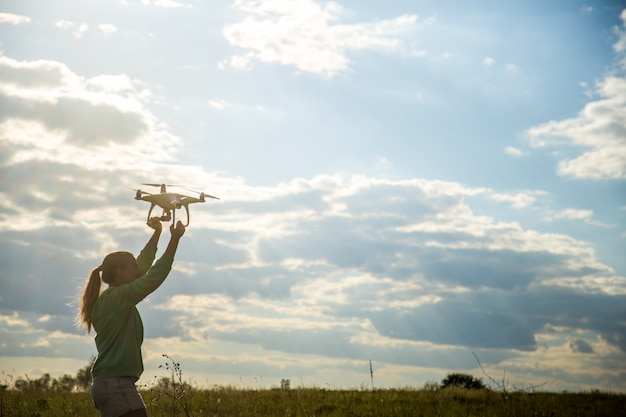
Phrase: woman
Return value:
(118, 326)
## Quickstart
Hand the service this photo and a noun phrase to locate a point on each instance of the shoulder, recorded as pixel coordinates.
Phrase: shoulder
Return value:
(114, 298)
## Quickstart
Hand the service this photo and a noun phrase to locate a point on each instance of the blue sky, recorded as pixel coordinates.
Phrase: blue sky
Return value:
(412, 183)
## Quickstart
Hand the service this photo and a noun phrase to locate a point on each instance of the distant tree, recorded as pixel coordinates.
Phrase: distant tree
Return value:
(462, 381)
(83, 376)
(66, 383)
(431, 386)
(43, 383)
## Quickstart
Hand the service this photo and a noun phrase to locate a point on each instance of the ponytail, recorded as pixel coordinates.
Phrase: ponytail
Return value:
(89, 297)
(92, 289)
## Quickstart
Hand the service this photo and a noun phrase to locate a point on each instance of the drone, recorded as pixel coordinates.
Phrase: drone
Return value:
(170, 202)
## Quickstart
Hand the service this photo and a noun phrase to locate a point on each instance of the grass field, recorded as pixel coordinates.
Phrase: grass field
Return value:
(301, 402)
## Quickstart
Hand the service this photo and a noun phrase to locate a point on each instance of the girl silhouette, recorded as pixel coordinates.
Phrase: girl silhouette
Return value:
(119, 330)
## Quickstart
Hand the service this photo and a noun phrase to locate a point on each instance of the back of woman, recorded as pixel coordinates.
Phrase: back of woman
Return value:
(114, 316)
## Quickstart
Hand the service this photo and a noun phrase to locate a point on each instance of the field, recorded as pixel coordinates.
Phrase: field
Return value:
(309, 402)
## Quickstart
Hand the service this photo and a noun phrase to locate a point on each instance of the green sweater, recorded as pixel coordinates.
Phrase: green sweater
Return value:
(118, 325)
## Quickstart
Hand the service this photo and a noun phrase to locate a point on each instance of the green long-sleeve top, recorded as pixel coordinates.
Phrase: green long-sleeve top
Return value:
(118, 325)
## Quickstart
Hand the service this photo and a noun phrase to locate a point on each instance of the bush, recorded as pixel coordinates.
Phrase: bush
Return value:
(459, 380)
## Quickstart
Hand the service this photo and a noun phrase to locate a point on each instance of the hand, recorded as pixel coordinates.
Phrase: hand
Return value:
(178, 230)
(155, 223)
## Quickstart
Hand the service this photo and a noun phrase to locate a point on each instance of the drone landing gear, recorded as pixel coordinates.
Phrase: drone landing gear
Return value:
(171, 215)
(166, 216)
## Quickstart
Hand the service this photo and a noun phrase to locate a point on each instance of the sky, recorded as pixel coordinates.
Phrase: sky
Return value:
(417, 184)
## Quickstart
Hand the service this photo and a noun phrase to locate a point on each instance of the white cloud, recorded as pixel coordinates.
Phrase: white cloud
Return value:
(574, 214)
(167, 4)
(107, 28)
(577, 214)
(53, 114)
(304, 34)
(382, 162)
(510, 150)
(488, 62)
(219, 104)
(600, 129)
(13, 320)
(620, 44)
(79, 28)
(13, 19)
(517, 200)
(237, 62)
(511, 69)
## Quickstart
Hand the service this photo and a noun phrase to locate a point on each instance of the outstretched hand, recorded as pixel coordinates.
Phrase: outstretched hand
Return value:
(177, 231)
(155, 223)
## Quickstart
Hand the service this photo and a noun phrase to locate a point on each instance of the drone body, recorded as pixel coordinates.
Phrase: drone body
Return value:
(169, 201)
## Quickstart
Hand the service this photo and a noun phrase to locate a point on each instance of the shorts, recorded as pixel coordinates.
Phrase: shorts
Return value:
(116, 396)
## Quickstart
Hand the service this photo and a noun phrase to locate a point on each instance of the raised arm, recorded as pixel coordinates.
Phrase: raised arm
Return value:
(155, 224)
(177, 232)
(156, 274)
(146, 257)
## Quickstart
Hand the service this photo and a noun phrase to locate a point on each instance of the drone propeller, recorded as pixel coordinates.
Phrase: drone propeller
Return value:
(160, 185)
(139, 191)
(201, 192)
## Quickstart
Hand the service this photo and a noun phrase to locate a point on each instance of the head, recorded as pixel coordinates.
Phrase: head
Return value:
(118, 268)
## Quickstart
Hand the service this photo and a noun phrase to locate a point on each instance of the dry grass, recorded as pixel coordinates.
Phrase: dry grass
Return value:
(301, 402)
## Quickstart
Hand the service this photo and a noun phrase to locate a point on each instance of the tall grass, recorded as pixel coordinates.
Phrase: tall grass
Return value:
(173, 397)
(308, 402)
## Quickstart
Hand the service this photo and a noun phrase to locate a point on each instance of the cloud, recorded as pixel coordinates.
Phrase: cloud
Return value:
(408, 261)
(304, 34)
(219, 104)
(511, 68)
(410, 272)
(599, 130)
(343, 256)
(47, 106)
(168, 4)
(518, 200)
(580, 346)
(510, 150)
(620, 45)
(79, 28)
(107, 28)
(577, 214)
(13, 19)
